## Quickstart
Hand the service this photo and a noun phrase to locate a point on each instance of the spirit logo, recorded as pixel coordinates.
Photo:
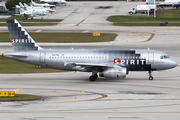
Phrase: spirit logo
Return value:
(130, 61)
(116, 61)
(13, 40)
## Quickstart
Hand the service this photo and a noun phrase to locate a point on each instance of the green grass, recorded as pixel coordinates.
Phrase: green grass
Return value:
(33, 24)
(21, 97)
(19, 18)
(8, 66)
(162, 16)
(144, 24)
(64, 37)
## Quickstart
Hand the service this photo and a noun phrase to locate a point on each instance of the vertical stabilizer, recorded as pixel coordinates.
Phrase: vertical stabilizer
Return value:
(21, 11)
(21, 5)
(20, 39)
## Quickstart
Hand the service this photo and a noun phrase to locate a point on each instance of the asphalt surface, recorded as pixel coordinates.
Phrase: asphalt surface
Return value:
(70, 95)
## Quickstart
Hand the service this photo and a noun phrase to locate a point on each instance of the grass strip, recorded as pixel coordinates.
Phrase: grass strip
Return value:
(33, 24)
(64, 37)
(20, 97)
(162, 16)
(144, 24)
(8, 66)
(19, 18)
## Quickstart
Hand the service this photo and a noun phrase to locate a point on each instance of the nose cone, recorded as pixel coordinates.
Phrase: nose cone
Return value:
(172, 63)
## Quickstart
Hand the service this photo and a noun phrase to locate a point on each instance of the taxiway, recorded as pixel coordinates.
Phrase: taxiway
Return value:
(70, 95)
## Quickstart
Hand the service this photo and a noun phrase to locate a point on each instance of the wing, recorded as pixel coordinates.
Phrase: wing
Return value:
(91, 66)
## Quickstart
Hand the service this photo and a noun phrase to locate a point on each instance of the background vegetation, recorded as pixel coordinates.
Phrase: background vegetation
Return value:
(10, 4)
(171, 16)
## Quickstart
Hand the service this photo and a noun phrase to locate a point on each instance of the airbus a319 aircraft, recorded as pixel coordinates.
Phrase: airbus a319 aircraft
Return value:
(108, 63)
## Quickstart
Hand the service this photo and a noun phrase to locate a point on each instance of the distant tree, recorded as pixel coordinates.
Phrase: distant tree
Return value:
(10, 4)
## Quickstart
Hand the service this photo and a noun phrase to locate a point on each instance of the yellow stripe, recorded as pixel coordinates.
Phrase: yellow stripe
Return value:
(7, 74)
(2, 51)
(18, 89)
(66, 93)
(85, 31)
(38, 31)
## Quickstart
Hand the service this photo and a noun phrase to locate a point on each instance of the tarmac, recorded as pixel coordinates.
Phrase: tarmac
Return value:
(70, 95)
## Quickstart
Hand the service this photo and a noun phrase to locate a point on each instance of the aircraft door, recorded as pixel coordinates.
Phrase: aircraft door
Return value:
(150, 57)
(42, 57)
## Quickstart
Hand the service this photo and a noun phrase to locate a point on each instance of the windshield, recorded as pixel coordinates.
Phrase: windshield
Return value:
(164, 56)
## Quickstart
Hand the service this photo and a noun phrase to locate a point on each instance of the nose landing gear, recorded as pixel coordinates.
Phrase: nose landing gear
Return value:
(150, 75)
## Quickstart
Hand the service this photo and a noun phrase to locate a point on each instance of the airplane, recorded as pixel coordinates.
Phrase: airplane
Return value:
(42, 5)
(54, 1)
(26, 7)
(114, 64)
(31, 13)
(170, 3)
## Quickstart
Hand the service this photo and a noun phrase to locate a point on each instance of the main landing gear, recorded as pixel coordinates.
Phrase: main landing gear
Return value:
(94, 76)
(150, 75)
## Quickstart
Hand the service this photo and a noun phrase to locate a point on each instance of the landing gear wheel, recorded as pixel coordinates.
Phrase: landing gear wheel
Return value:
(92, 78)
(150, 78)
(150, 75)
(95, 76)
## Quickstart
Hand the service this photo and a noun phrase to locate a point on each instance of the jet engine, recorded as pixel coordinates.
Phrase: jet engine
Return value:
(118, 72)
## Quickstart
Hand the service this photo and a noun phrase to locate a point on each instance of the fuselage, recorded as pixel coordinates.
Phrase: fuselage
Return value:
(133, 60)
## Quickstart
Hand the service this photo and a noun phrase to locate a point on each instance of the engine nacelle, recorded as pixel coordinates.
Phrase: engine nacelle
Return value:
(118, 72)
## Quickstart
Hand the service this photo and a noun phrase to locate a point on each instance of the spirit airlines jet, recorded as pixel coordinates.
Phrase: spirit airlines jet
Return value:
(108, 63)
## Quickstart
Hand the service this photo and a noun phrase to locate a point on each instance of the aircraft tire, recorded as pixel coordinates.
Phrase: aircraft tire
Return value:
(150, 78)
(95, 76)
(92, 78)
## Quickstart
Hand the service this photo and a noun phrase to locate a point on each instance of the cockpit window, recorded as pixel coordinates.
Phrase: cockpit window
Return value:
(164, 56)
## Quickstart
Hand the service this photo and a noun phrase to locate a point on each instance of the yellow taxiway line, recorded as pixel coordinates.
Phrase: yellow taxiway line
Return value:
(18, 89)
(2, 51)
(38, 31)
(85, 31)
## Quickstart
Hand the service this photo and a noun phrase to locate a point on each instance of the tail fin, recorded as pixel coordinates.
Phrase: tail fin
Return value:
(21, 11)
(17, 6)
(25, 5)
(21, 40)
(33, 3)
(21, 5)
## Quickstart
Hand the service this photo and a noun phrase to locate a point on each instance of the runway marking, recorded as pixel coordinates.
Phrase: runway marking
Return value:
(152, 35)
(6, 74)
(85, 31)
(85, 18)
(38, 31)
(2, 51)
(18, 89)
(66, 93)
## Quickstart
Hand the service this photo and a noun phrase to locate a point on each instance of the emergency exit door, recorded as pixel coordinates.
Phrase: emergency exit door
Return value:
(42, 57)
